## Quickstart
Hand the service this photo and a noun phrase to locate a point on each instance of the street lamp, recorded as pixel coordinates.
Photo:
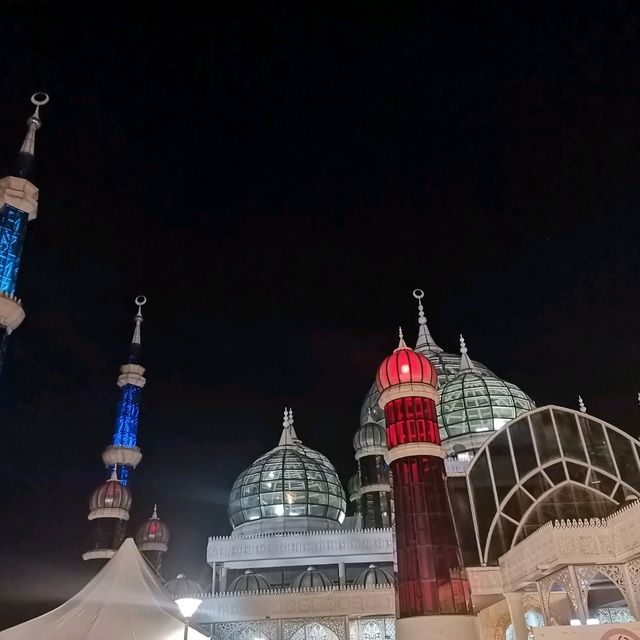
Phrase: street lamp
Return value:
(188, 607)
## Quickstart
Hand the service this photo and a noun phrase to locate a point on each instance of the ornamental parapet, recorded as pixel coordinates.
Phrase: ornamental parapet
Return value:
(295, 603)
(302, 548)
(611, 540)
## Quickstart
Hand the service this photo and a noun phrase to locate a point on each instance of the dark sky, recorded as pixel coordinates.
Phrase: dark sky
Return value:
(277, 177)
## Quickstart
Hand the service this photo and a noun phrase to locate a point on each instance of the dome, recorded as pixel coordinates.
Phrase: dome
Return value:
(182, 587)
(290, 488)
(353, 487)
(250, 581)
(312, 578)
(110, 499)
(474, 402)
(405, 366)
(152, 533)
(372, 576)
(370, 439)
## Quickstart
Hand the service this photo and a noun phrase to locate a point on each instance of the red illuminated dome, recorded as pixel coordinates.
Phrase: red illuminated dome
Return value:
(405, 367)
(153, 531)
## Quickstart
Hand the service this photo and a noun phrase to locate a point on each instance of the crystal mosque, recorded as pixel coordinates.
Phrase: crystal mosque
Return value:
(472, 514)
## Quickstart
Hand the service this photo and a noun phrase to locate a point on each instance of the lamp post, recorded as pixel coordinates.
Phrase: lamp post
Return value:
(188, 607)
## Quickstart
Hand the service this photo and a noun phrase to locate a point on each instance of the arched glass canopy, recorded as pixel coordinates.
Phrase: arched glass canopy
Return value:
(550, 463)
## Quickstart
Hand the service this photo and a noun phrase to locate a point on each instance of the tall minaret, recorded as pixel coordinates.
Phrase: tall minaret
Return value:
(376, 504)
(431, 578)
(18, 205)
(123, 450)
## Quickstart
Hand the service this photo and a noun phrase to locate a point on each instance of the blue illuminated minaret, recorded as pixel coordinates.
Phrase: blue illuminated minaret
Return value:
(18, 205)
(123, 450)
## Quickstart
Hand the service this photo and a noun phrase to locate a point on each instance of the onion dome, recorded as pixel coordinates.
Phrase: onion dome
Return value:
(251, 582)
(373, 576)
(312, 578)
(153, 535)
(405, 367)
(353, 487)
(370, 439)
(182, 587)
(110, 500)
(287, 489)
(475, 402)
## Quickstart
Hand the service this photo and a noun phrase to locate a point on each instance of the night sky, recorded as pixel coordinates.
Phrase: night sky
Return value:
(277, 178)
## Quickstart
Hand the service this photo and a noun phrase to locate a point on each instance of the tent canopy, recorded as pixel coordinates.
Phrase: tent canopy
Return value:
(124, 601)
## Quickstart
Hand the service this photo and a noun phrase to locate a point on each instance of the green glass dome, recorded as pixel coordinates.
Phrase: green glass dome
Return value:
(476, 402)
(290, 488)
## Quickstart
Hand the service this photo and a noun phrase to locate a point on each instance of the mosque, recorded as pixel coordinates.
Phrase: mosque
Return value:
(473, 514)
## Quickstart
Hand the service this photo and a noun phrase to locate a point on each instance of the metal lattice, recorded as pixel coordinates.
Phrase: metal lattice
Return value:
(13, 228)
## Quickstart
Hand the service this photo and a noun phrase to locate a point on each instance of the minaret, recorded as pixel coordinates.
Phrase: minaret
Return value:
(431, 577)
(109, 511)
(425, 342)
(152, 539)
(123, 450)
(374, 490)
(18, 206)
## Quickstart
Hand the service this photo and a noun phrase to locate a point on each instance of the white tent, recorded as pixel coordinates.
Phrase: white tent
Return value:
(124, 601)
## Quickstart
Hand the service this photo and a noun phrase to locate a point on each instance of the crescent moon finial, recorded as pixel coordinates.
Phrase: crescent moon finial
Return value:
(39, 98)
(418, 294)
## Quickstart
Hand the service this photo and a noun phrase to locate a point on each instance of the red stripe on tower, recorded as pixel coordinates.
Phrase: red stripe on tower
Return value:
(431, 579)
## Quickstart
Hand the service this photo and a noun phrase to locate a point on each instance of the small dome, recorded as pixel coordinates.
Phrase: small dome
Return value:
(312, 578)
(153, 531)
(250, 581)
(353, 487)
(405, 366)
(475, 402)
(372, 576)
(182, 587)
(111, 495)
(371, 438)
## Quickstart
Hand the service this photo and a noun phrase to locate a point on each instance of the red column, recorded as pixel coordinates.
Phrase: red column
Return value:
(431, 579)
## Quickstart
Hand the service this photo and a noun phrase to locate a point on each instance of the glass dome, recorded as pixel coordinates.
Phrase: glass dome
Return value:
(372, 576)
(475, 402)
(182, 587)
(312, 578)
(286, 484)
(250, 582)
(370, 436)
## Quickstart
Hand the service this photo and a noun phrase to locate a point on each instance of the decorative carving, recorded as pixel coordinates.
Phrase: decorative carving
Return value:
(313, 629)
(615, 573)
(263, 629)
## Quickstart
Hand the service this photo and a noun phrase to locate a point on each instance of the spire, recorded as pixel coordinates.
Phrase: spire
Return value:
(285, 439)
(401, 344)
(581, 405)
(136, 341)
(425, 341)
(114, 473)
(154, 515)
(465, 360)
(27, 150)
(292, 431)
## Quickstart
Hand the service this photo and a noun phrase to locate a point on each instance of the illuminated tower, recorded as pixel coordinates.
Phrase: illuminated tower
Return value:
(18, 206)
(374, 489)
(433, 595)
(109, 512)
(123, 450)
(152, 539)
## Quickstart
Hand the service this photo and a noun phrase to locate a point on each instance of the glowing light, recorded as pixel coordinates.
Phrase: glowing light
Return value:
(405, 369)
(13, 228)
(289, 497)
(593, 621)
(188, 606)
(574, 622)
(279, 510)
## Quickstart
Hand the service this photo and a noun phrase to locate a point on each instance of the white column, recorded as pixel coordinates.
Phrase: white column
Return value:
(581, 612)
(342, 577)
(213, 579)
(223, 579)
(516, 611)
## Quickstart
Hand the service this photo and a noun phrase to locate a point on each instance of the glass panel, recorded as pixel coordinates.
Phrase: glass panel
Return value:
(602, 483)
(522, 446)
(625, 459)
(596, 444)
(569, 435)
(484, 501)
(502, 465)
(556, 473)
(545, 436)
(577, 472)
(537, 485)
(517, 505)
(501, 539)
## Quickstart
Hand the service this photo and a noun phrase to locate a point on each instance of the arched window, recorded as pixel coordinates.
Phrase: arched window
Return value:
(550, 463)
